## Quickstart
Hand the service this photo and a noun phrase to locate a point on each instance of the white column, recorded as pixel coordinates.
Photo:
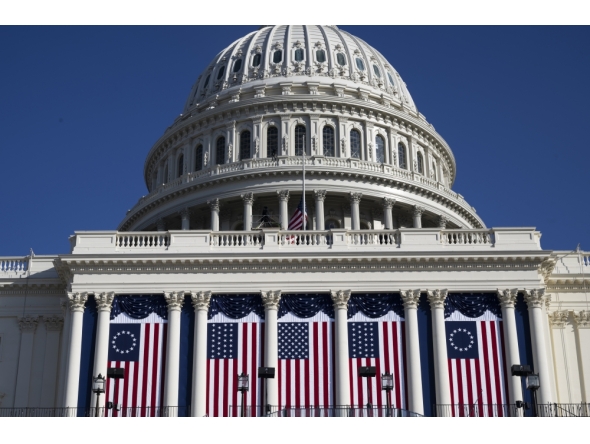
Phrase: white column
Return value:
(582, 330)
(271, 300)
(442, 221)
(104, 303)
(388, 212)
(28, 326)
(507, 300)
(411, 299)
(185, 217)
(53, 326)
(214, 204)
(248, 199)
(161, 225)
(355, 199)
(63, 354)
(174, 301)
(535, 300)
(320, 197)
(418, 216)
(201, 302)
(283, 208)
(340, 299)
(439, 339)
(77, 302)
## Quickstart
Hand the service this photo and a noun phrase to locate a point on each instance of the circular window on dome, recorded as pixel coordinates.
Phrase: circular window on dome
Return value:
(390, 78)
(238, 65)
(360, 64)
(341, 59)
(376, 71)
(221, 72)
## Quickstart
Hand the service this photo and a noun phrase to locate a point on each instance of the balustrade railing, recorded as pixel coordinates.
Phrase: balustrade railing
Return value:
(467, 237)
(304, 238)
(586, 260)
(373, 237)
(143, 240)
(14, 265)
(236, 239)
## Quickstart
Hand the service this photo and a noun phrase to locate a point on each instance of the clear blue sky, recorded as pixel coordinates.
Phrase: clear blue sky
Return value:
(80, 107)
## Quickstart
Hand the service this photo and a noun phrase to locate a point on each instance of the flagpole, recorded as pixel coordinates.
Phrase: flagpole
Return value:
(304, 209)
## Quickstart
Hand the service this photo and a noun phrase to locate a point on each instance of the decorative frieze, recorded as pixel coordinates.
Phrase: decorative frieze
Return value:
(271, 299)
(28, 323)
(201, 300)
(507, 297)
(340, 299)
(437, 298)
(410, 298)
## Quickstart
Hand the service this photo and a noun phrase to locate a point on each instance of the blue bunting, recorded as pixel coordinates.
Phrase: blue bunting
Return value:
(236, 306)
(375, 305)
(472, 305)
(140, 306)
(306, 305)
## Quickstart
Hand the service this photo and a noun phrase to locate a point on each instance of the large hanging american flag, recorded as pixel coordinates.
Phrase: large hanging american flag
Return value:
(475, 348)
(306, 361)
(296, 222)
(377, 343)
(139, 347)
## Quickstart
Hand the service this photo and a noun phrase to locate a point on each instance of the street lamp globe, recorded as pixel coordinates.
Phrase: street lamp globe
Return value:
(99, 382)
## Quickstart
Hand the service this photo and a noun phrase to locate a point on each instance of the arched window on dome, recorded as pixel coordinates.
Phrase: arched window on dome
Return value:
(206, 81)
(390, 77)
(238, 65)
(245, 144)
(277, 56)
(299, 140)
(220, 151)
(320, 55)
(328, 141)
(341, 59)
(360, 64)
(420, 162)
(376, 71)
(154, 180)
(379, 149)
(180, 165)
(165, 179)
(220, 72)
(256, 60)
(199, 158)
(355, 144)
(433, 170)
(401, 156)
(272, 141)
(299, 55)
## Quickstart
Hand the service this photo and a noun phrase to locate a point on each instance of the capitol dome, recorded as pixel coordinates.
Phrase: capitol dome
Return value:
(233, 159)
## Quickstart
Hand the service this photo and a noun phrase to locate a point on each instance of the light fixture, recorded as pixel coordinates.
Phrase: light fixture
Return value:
(98, 388)
(243, 386)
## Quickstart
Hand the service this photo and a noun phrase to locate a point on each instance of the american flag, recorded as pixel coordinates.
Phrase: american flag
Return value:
(139, 347)
(233, 348)
(475, 351)
(306, 361)
(296, 222)
(381, 344)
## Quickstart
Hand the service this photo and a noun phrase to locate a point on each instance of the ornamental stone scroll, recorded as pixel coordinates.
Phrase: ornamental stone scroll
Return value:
(437, 298)
(410, 298)
(174, 300)
(340, 298)
(201, 300)
(271, 299)
(77, 301)
(507, 297)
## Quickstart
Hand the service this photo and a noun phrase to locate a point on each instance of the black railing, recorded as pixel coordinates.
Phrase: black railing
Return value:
(93, 412)
(511, 410)
(318, 412)
(563, 410)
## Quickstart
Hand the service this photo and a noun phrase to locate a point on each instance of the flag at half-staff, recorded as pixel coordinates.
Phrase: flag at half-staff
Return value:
(296, 222)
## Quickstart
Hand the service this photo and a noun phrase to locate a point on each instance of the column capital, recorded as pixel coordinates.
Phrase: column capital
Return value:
(355, 197)
(535, 298)
(507, 297)
(410, 298)
(271, 299)
(161, 225)
(214, 204)
(442, 221)
(185, 213)
(104, 301)
(418, 210)
(28, 323)
(388, 203)
(340, 298)
(283, 195)
(174, 299)
(582, 318)
(248, 197)
(201, 300)
(558, 319)
(320, 195)
(77, 301)
(53, 323)
(437, 298)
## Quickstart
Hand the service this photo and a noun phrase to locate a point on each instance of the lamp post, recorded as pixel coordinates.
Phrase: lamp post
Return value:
(243, 386)
(533, 383)
(98, 389)
(387, 385)
(368, 372)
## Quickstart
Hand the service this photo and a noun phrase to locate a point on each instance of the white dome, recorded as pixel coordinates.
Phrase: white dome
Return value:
(303, 55)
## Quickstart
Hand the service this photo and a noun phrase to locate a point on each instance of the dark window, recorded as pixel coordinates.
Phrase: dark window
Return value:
(320, 55)
(376, 70)
(360, 64)
(299, 55)
(165, 174)
(277, 56)
(328, 136)
(180, 165)
(390, 78)
(199, 158)
(220, 72)
(355, 144)
(341, 59)
(238, 65)
(299, 140)
(379, 149)
(420, 163)
(256, 60)
(272, 141)
(245, 145)
(220, 152)
(401, 156)
(207, 81)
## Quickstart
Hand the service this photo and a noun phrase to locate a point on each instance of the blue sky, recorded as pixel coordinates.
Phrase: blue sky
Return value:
(80, 107)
